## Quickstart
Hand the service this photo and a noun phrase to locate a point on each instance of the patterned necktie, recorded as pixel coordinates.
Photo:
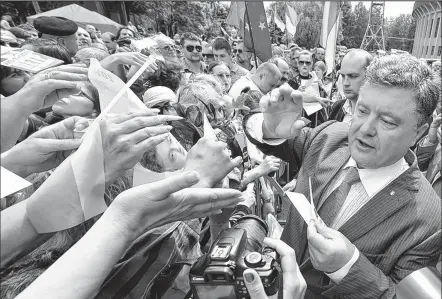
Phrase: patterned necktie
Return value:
(336, 199)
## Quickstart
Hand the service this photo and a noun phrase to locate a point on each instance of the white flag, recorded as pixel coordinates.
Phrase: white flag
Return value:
(292, 21)
(278, 21)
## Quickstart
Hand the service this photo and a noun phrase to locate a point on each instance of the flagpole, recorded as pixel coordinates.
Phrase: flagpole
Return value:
(286, 30)
(251, 35)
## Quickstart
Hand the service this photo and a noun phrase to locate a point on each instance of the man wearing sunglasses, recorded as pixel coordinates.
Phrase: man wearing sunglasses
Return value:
(223, 52)
(244, 57)
(307, 83)
(208, 57)
(192, 54)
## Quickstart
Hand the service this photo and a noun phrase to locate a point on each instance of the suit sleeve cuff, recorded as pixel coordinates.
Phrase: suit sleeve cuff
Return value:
(254, 127)
(339, 275)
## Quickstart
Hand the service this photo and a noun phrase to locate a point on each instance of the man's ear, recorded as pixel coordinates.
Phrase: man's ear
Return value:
(420, 132)
(61, 41)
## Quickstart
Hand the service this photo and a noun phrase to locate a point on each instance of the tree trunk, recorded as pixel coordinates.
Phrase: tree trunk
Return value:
(36, 7)
(101, 9)
(122, 12)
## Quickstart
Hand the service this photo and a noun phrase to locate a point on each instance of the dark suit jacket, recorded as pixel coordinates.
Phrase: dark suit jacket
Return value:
(397, 232)
(336, 112)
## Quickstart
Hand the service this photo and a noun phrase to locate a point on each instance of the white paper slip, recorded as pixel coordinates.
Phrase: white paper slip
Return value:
(27, 60)
(145, 176)
(302, 205)
(208, 130)
(11, 183)
(311, 108)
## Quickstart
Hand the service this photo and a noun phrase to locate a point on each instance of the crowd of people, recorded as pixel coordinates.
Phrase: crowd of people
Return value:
(370, 157)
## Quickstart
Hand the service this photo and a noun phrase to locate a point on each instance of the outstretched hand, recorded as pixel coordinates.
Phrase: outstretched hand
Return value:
(282, 110)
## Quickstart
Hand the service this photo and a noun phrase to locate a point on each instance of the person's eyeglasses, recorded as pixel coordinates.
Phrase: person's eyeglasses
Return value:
(169, 48)
(208, 55)
(191, 48)
(239, 51)
(305, 62)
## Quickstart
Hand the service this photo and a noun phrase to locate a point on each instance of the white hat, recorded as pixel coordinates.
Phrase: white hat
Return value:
(158, 94)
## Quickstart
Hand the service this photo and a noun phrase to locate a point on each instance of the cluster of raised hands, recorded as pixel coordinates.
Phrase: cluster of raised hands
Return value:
(125, 138)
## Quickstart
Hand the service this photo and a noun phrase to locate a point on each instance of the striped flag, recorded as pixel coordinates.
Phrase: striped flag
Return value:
(292, 20)
(278, 21)
(329, 32)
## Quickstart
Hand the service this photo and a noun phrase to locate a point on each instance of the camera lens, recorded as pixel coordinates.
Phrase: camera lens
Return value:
(256, 230)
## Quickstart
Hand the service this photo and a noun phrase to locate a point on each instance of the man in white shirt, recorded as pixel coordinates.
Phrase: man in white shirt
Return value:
(382, 218)
(352, 75)
(265, 79)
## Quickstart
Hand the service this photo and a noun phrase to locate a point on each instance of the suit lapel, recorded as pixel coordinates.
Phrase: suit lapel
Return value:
(326, 172)
(390, 199)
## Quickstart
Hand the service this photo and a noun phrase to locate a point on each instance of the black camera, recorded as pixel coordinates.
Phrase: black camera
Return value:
(219, 273)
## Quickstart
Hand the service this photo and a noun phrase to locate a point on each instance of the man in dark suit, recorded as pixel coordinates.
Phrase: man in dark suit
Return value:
(382, 218)
(351, 76)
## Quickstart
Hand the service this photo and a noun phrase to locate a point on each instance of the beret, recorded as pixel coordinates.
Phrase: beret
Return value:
(57, 26)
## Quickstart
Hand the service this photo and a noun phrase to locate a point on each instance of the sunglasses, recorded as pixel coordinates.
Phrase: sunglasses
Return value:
(305, 62)
(191, 48)
(208, 55)
(169, 48)
(239, 51)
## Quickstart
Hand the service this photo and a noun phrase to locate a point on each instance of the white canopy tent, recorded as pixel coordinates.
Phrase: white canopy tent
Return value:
(82, 17)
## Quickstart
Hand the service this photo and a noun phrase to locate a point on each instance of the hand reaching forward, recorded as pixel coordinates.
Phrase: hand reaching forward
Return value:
(41, 90)
(45, 149)
(294, 286)
(211, 160)
(282, 111)
(126, 137)
(151, 205)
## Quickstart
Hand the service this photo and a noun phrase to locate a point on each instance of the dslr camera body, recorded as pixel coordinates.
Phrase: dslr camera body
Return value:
(219, 273)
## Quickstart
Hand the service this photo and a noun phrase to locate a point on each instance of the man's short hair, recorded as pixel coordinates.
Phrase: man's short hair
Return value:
(221, 43)
(306, 52)
(406, 72)
(189, 36)
(213, 64)
(368, 58)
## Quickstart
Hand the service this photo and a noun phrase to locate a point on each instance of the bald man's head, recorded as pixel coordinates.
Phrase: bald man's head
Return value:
(267, 77)
(283, 67)
(353, 67)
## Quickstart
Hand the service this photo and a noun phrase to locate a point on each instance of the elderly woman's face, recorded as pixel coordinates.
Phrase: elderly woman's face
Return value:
(222, 73)
(15, 81)
(74, 102)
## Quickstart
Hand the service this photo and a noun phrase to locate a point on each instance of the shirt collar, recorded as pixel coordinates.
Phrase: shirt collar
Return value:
(374, 180)
(234, 68)
(187, 68)
(347, 107)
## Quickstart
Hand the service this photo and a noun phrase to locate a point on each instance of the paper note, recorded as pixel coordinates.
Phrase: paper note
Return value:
(311, 108)
(208, 130)
(11, 183)
(301, 204)
(145, 176)
(27, 60)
